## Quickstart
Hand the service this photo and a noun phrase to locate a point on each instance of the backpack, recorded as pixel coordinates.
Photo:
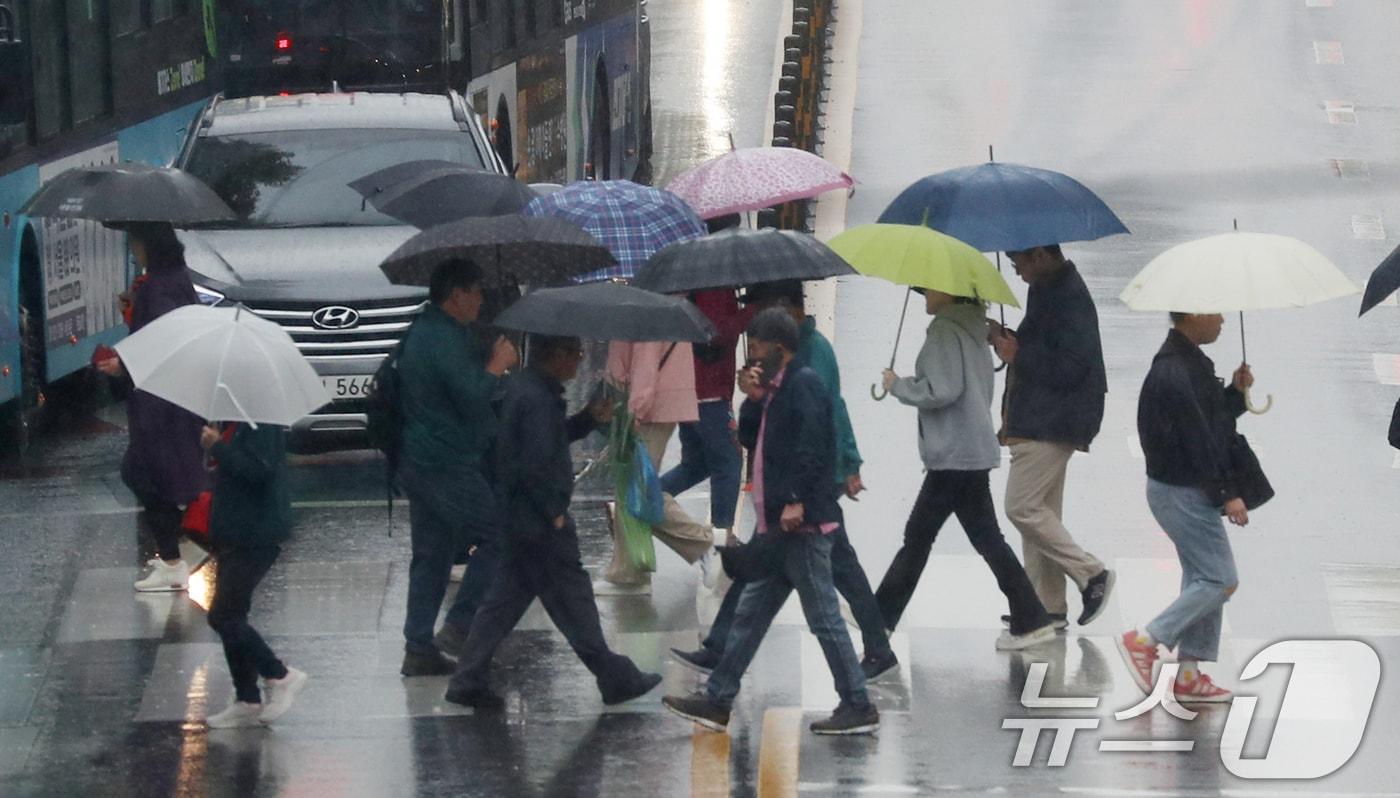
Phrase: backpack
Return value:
(384, 421)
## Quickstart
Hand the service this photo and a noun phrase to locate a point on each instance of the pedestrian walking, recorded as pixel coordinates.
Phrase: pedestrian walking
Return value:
(1186, 424)
(786, 420)
(250, 516)
(814, 352)
(449, 378)
(1052, 407)
(163, 462)
(709, 446)
(542, 558)
(660, 377)
(952, 389)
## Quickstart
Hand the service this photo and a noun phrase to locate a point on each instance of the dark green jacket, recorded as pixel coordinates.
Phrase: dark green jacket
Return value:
(251, 506)
(446, 393)
(815, 352)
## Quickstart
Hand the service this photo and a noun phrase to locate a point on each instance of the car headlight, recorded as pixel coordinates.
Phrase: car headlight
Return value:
(208, 296)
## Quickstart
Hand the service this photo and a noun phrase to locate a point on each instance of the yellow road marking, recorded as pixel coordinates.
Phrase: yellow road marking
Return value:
(778, 752)
(709, 765)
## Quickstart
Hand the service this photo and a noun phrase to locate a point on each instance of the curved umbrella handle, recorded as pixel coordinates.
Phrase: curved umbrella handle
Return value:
(877, 393)
(1258, 411)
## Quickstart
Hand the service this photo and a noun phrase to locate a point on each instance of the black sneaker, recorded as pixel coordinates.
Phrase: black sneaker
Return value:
(701, 660)
(699, 709)
(451, 641)
(434, 664)
(877, 666)
(635, 687)
(1096, 596)
(1057, 619)
(479, 698)
(848, 719)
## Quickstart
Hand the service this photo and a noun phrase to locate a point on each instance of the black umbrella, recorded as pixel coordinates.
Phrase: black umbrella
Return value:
(129, 192)
(511, 250)
(1384, 281)
(607, 312)
(429, 193)
(735, 258)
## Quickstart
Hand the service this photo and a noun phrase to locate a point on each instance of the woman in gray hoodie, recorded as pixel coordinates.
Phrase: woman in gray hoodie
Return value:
(952, 389)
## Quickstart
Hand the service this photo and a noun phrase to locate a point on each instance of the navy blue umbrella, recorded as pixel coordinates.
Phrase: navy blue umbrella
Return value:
(1384, 280)
(1005, 207)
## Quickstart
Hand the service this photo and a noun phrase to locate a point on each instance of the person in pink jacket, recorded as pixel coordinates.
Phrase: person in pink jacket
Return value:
(661, 379)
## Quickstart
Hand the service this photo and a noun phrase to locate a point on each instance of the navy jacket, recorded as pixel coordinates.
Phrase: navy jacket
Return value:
(1186, 420)
(1055, 389)
(251, 506)
(799, 448)
(535, 467)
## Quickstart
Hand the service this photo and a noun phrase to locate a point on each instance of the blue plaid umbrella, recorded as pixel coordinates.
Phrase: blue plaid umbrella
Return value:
(632, 221)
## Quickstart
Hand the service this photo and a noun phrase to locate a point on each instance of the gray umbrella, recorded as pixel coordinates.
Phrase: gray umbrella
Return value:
(511, 250)
(737, 258)
(430, 193)
(129, 192)
(607, 312)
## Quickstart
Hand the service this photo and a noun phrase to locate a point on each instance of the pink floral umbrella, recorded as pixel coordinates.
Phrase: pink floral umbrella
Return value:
(755, 178)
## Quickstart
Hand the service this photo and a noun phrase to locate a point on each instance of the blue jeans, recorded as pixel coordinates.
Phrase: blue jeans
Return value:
(448, 512)
(1191, 624)
(709, 450)
(850, 581)
(805, 567)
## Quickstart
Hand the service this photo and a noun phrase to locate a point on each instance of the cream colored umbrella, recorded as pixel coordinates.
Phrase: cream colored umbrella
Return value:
(1235, 272)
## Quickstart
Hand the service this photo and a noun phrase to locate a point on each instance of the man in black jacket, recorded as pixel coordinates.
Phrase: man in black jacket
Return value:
(786, 422)
(1186, 423)
(1052, 407)
(542, 556)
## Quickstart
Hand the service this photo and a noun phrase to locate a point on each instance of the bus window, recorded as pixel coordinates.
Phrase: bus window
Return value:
(50, 70)
(126, 17)
(89, 63)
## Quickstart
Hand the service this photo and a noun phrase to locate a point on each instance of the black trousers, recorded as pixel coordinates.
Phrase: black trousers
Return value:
(547, 566)
(968, 495)
(163, 522)
(240, 571)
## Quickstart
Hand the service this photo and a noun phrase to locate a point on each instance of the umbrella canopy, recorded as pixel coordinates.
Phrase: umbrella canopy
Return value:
(129, 192)
(1236, 272)
(918, 257)
(632, 221)
(511, 250)
(429, 193)
(755, 178)
(607, 312)
(1384, 281)
(1005, 207)
(735, 258)
(223, 364)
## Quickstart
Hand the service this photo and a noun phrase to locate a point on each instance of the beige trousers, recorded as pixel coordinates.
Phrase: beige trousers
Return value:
(678, 530)
(1035, 497)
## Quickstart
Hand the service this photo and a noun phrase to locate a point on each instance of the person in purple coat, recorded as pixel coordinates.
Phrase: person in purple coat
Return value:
(164, 464)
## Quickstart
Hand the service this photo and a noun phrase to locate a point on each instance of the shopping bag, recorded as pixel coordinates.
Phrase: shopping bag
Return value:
(644, 500)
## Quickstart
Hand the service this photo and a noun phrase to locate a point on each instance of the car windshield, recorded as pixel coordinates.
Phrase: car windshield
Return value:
(300, 178)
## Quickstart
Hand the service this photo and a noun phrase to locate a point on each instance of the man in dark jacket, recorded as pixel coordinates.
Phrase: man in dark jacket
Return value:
(542, 558)
(1053, 405)
(787, 420)
(1186, 423)
(448, 381)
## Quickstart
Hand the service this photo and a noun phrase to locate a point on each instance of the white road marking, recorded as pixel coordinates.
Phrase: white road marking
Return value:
(1368, 227)
(1318, 3)
(1135, 448)
(1328, 53)
(1387, 368)
(1340, 112)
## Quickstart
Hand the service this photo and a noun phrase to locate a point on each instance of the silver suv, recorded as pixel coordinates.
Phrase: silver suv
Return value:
(306, 249)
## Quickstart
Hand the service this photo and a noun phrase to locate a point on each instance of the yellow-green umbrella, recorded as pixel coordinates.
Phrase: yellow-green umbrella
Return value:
(920, 257)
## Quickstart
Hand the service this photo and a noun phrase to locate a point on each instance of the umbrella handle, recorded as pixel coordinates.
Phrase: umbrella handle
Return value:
(1258, 411)
(877, 393)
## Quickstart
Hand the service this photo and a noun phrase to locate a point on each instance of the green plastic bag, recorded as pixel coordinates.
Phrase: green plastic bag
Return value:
(623, 446)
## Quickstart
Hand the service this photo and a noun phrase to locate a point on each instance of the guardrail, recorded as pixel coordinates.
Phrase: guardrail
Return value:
(797, 104)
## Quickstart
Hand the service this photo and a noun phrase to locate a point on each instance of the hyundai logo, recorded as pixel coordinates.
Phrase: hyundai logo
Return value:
(335, 317)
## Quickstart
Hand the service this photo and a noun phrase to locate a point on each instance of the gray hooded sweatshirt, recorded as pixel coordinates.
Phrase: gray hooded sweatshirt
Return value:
(952, 388)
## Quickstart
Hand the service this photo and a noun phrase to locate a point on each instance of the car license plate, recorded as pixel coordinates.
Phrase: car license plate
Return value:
(350, 386)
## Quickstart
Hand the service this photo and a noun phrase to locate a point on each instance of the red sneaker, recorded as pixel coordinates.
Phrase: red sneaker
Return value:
(1140, 658)
(1200, 690)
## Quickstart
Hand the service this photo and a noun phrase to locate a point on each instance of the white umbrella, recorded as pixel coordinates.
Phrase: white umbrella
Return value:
(223, 364)
(1236, 272)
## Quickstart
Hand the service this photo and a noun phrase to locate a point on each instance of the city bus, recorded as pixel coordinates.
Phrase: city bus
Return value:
(82, 82)
(561, 85)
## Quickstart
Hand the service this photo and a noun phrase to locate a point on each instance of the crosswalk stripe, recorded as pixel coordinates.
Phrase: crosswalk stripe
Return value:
(778, 751)
(709, 764)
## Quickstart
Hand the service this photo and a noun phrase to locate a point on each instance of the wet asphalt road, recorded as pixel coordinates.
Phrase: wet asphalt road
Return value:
(1184, 116)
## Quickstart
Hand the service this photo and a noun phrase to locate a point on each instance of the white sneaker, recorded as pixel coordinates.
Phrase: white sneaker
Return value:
(1010, 642)
(710, 569)
(280, 694)
(238, 715)
(165, 577)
